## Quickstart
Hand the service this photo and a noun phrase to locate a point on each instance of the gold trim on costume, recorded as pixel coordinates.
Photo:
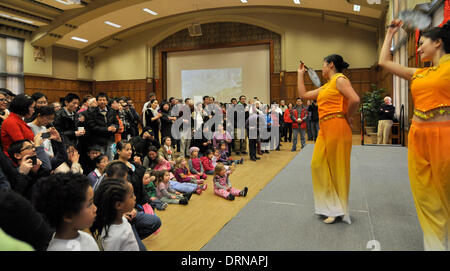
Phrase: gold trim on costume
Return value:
(443, 109)
(332, 116)
(442, 60)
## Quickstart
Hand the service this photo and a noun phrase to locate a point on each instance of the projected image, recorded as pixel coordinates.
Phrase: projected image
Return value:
(219, 83)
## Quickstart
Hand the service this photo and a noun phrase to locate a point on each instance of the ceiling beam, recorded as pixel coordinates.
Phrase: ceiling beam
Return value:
(37, 20)
(33, 8)
(77, 17)
(16, 24)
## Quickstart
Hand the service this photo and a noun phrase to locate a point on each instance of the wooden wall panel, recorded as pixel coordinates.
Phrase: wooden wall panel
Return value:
(135, 89)
(55, 89)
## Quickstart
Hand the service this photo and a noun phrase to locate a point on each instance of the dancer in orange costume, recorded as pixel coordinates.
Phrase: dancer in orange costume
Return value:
(330, 165)
(429, 134)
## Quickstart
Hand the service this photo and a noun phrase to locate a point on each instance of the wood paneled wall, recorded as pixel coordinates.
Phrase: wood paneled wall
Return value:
(134, 89)
(55, 89)
(284, 85)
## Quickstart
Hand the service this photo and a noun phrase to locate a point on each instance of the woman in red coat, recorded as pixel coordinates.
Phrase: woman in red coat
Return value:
(14, 127)
(288, 123)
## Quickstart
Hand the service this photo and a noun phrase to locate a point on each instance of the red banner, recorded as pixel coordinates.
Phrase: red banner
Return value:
(446, 12)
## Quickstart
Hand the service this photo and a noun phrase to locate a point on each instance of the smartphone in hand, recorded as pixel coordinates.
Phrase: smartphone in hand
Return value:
(33, 159)
(45, 135)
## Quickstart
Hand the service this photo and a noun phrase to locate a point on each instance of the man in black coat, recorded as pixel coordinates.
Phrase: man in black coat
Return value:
(101, 125)
(385, 122)
(66, 120)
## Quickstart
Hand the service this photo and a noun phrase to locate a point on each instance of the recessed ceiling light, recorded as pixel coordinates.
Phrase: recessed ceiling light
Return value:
(79, 39)
(113, 24)
(244, 1)
(150, 11)
(297, 2)
(356, 8)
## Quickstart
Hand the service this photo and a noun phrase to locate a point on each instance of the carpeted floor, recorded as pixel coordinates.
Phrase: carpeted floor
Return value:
(281, 216)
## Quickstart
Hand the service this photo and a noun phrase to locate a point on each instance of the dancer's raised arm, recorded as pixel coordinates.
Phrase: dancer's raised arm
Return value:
(385, 59)
(302, 93)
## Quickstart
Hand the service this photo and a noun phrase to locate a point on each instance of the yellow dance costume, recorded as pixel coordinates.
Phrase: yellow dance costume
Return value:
(330, 165)
(429, 154)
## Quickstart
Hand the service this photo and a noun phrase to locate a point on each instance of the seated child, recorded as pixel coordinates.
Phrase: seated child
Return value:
(114, 198)
(150, 188)
(195, 165)
(223, 155)
(67, 201)
(182, 173)
(166, 150)
(164, 192)
(98, 173)
(207, 162)
(222, 185)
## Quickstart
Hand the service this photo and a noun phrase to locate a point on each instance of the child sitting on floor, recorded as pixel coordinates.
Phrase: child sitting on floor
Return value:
(164, 192)
(195, 165)
(222, 185)
(166, 150)
(114, 198)
(223, 155)
(182, 173)
(207, 162)
(150, 188)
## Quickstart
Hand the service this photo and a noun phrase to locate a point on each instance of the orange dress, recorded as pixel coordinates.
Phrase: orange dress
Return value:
(330, 165)
(429, 154)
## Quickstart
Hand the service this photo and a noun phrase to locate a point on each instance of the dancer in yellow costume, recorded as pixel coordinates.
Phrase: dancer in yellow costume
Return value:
(429, 134)
(330, 165)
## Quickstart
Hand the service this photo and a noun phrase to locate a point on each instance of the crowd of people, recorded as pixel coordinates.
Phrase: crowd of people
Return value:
(96, 163)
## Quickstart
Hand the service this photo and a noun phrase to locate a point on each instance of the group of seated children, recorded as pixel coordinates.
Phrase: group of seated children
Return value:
(74, 202)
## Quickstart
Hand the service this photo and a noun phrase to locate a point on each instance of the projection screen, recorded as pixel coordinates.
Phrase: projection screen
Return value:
(222, 73)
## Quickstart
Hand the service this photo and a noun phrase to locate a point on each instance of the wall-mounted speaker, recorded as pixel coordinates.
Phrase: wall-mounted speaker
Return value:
(195, 30)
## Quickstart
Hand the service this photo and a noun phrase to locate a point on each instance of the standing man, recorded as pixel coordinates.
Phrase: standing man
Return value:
(299, 115)
(313, 110)
(240, 145)
(386, 117)
(308, 121)
(102, 124)
(66, 120)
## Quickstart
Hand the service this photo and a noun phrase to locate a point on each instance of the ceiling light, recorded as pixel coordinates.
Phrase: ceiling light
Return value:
(150, 11)
(113, 24)
(69, 2)
(79, 39)
(17, 18)
(244, 1)
(356, 8)
(297, 2)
